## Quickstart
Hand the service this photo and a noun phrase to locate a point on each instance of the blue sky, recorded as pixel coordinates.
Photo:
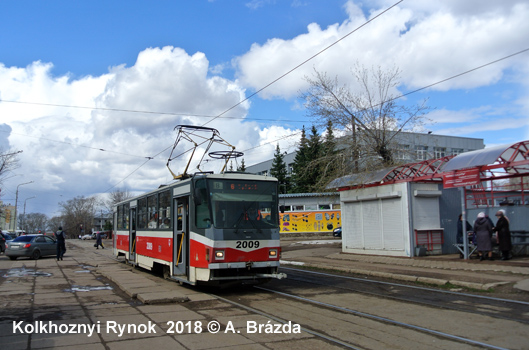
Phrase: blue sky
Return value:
(202, 57)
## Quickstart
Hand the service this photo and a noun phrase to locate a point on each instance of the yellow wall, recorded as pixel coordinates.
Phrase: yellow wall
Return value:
(309, 221)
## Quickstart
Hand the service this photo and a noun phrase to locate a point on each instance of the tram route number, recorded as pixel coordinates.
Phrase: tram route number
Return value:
(247, 244)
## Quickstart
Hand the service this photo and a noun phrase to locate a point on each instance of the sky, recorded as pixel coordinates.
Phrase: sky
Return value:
(91, 91)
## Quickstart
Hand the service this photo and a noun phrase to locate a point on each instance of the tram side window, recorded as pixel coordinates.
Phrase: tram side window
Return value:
(120, 218)
(126, 214)
(152, 211)
(164, 210)
(202, 217)
(142, 213)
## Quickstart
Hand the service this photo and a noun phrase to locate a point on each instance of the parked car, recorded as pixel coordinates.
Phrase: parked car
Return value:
(337, 232)
(3, 240)
(31, 246)
(89, 236)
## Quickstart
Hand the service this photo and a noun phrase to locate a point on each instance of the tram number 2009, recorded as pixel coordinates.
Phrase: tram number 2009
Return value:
(247, 244)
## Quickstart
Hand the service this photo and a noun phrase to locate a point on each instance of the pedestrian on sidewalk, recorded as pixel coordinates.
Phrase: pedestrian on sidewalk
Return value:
(61, 245)
(99, 241)
(503, 234)
(483, 230)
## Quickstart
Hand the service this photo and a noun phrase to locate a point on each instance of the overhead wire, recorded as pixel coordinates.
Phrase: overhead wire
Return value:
(252, 95)
(144, 111)
(307, 60)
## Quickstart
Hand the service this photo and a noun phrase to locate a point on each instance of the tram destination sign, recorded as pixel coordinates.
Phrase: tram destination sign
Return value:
(461, 178)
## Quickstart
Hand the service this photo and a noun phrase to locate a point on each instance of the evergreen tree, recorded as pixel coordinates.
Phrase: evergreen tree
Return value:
(242, 167)
(314, 153)
(330, 160)
(300, 164)
(279, 168)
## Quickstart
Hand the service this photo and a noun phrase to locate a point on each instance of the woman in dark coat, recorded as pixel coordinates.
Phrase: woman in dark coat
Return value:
(504, 235)
(483, 230)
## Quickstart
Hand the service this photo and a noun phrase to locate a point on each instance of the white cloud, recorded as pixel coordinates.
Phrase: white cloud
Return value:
(77, 151)
(428, 42)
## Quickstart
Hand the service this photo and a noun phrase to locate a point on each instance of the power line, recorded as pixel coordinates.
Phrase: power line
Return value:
(307, 60)
(73, 144)
(144, 112)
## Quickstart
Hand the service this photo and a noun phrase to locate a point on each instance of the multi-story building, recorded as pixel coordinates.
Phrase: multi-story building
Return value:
(411, 147)
(7, 217)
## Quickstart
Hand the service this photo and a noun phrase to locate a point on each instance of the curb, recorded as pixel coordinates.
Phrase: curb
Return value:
(401, 277)
(146, 291)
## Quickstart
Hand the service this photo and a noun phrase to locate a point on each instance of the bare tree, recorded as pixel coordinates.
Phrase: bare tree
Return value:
(8, 162)
(78, 215)
(115, 197)
(33, 222)
(367, 112)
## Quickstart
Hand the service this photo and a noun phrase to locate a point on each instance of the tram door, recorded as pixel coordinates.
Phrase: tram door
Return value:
(132, 236)
(181, 236)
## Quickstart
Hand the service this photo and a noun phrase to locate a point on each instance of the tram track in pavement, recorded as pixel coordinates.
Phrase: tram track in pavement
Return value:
(350, 332)
(512, 310)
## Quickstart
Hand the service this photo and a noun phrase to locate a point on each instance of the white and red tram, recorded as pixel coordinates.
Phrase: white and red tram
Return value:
(207, 229)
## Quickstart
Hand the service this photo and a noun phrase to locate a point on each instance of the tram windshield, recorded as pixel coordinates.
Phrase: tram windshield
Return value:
(243, 204)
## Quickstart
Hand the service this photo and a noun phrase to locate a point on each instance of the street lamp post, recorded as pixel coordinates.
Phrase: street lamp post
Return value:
(25, 211)
(16, 203)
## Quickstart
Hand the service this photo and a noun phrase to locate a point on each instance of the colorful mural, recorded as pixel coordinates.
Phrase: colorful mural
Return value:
(310, 221)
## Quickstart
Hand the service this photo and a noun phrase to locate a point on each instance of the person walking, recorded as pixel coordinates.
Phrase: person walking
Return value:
(99, 241)
(483, 230)
(61, 244)
(503, 235)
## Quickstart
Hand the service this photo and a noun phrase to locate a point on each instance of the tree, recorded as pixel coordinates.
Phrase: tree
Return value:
(115, 197)
(330, 162)
(301, 161)
(370, 116)
(78, 215)
(242, 167)
(279, 168)
(8, 162)
(314, 154)
(33, 222)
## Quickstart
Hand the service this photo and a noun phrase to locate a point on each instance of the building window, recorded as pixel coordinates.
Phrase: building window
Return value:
(403, 152)
(456, 151)
(422, 152)
(440, 152)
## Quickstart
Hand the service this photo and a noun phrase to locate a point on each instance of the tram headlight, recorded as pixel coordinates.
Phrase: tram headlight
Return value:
(219, 254)
(272, 253)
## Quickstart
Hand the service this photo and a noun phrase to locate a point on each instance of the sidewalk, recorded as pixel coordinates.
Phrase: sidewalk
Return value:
(436, 270)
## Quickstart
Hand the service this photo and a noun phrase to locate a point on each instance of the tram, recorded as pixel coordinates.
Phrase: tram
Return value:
(205, 228)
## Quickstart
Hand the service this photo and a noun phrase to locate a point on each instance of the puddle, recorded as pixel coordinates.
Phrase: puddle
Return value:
(83, 271)
(23, 272)
(86, 289)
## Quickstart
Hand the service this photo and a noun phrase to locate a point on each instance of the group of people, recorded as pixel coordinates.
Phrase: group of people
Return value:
(483, 230)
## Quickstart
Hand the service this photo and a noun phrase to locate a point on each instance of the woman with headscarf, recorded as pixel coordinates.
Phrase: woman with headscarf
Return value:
(504, 234)
(483, 230)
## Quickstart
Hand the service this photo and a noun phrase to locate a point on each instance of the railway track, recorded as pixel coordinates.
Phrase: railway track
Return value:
(362, 314)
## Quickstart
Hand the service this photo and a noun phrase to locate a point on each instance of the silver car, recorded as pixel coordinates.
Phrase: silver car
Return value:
(31, 246)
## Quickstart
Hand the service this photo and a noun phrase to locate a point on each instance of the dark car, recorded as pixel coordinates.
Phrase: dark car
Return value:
(4, 238)
(337, 232)
(31, 246)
